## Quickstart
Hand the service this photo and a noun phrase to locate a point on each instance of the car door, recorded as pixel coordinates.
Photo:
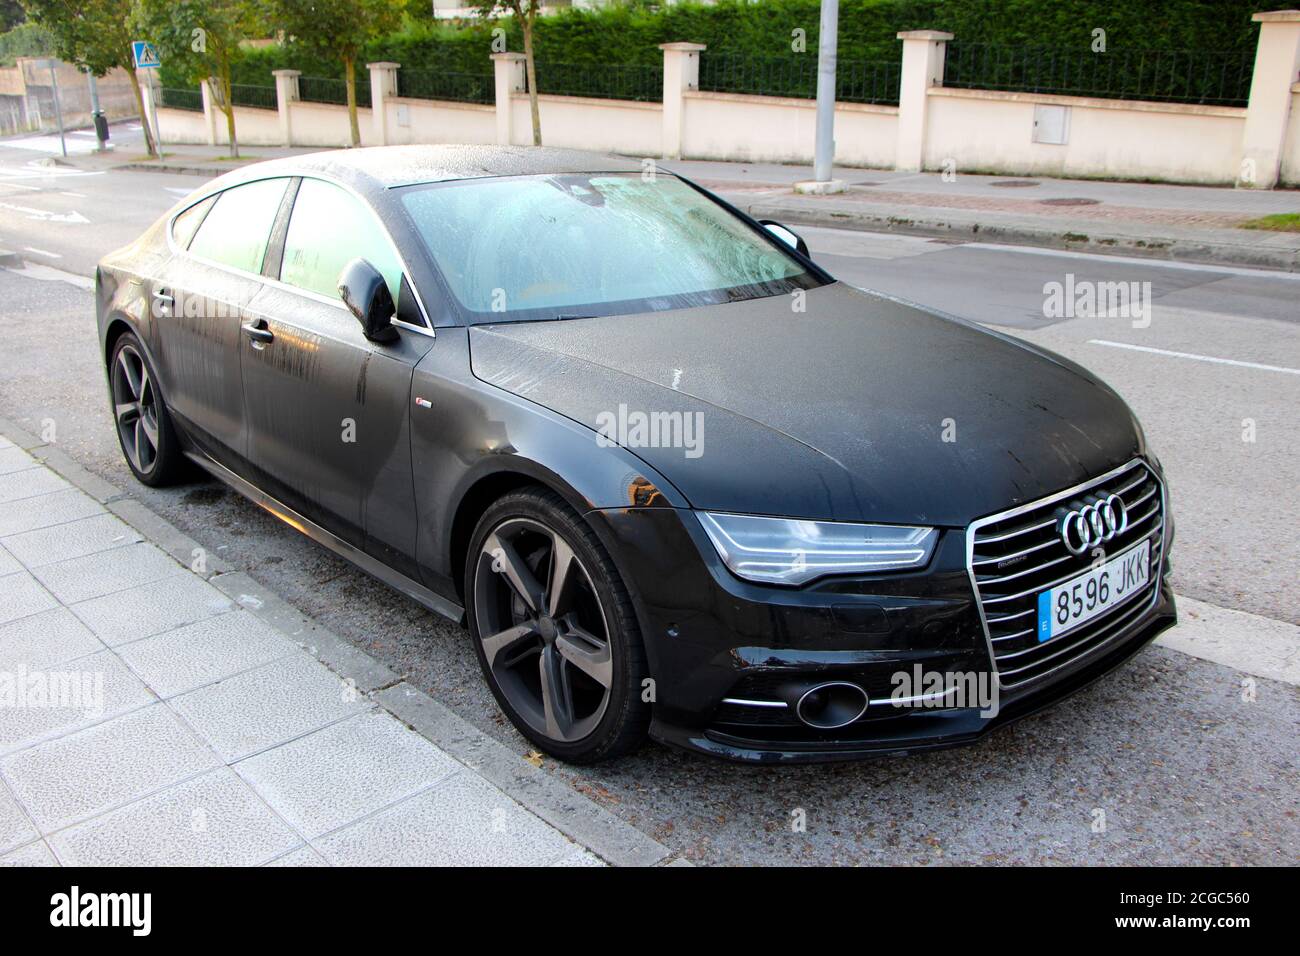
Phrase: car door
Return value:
(198, 301)
(328, 410)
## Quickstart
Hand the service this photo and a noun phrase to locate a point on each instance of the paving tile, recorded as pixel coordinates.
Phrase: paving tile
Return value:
(70, 540)
(147, 609)
(580, 857)
(212, 820)
(15, 828)
(463, 822)
(64, 698)
(21, 595)
(8, 563)
(34, 854)
(268, 706)
(45, 640)
(58, 507)
(18, 485)
(303, 856)
(206, 651)
(104, 572)
(6, 443)
(337, 775)
(15, 459)
(76, 777)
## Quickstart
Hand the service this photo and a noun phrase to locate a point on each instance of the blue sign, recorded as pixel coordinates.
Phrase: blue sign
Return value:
(146, 55)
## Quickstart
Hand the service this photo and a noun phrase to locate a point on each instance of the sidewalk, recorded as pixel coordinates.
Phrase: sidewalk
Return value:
(152, 715)
(1187, 223)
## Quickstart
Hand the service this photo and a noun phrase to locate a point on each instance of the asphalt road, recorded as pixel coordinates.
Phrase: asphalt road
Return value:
(1185, 770)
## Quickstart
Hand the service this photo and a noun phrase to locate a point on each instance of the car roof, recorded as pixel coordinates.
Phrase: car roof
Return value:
(383, 167)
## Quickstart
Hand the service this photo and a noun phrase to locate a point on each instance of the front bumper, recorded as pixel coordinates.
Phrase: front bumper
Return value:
(711, 638)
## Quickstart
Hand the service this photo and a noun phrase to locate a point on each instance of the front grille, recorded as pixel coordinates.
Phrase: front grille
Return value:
(1018, 554)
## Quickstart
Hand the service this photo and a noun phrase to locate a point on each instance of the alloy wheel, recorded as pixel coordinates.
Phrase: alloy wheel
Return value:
(543, 629)
(135, 408)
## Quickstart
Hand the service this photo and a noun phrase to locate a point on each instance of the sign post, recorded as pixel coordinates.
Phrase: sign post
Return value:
(50, 64)
(147, 59)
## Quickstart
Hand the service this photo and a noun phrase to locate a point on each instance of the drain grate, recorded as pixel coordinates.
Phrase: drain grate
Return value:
(1014, 183)
(1070, 201)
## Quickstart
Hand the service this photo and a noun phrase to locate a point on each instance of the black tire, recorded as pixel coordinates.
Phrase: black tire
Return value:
(140, 416)
(494, 603)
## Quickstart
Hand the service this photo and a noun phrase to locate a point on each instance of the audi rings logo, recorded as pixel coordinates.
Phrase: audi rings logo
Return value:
(1089, 525)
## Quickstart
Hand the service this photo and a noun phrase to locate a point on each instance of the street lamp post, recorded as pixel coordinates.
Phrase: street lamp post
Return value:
(824, 147)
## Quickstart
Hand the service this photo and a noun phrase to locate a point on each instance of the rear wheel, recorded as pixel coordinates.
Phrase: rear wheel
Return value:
(554, 629)
(144, 427)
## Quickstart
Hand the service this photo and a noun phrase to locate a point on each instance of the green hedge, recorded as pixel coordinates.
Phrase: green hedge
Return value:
(629, 34)
(26, 39)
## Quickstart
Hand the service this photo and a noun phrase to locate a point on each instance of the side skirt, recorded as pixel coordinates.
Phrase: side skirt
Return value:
(394, 579)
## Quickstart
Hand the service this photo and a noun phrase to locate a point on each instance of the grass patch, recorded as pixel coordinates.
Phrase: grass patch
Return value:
(1278, 222)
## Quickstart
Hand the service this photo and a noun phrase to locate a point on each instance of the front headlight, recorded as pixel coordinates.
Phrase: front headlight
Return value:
(792, 551)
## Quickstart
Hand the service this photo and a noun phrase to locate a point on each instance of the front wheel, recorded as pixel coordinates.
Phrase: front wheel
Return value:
(554, 629)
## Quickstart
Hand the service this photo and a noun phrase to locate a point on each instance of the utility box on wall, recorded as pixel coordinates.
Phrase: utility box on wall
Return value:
(1051, 125)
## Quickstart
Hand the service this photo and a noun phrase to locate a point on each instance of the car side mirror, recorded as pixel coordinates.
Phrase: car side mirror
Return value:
(786, 235)
(366, 294)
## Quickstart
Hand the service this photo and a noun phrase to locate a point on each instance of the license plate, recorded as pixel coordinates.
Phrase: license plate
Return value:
(1094, 592)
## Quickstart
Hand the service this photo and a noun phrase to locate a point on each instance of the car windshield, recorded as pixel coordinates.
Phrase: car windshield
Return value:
(563, 246)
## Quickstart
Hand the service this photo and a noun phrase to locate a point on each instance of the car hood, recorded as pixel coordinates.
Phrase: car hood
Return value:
(858, 407)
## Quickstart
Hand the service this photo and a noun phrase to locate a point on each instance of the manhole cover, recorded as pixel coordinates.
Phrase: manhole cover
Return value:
(1069, 201)
(1014, 183)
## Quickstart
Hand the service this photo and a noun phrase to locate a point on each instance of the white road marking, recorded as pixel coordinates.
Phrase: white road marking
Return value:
(73, 195)
(34, 189)
(1131, 260)
(46, 216)
(1252, 644)
(43, 252)
(177, 190)
(1190, 355)
(33, 270)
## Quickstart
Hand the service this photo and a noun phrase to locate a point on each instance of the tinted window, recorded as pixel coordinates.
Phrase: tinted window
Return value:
(329, 228)
(188, 221)
(236, 229)
(548, 246)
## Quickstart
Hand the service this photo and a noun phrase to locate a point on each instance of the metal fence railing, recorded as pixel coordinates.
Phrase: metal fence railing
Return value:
(856, 81)
(442, 85)
(1176, 76)
(642, 83)
(323, 89)
(262, 97)
(182, 99)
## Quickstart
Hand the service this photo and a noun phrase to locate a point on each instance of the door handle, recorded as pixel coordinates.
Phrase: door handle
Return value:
(256, 330)
(163, 301)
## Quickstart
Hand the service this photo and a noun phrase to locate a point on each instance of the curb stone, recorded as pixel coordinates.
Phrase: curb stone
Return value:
(577, 817)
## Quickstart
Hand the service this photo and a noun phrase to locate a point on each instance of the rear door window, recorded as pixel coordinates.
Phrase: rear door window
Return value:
(237, 227)
(328, 229)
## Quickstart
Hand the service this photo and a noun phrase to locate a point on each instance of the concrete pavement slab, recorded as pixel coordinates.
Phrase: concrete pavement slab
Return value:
(70, 779)
(29, 484)
(148, 609)
(8, 563)
(105, 572)
(79, 694)
(43, 511)
(16, 828)
(269, 705)
(349, 770)
(34, 854)
(14, 460)
(46, 639)
(212, 820)
(21, 595)
(303, 856)
(463, 821)
(71, 540)
(206, 651)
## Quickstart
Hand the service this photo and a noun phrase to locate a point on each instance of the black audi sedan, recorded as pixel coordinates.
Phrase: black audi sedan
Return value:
(673, 477)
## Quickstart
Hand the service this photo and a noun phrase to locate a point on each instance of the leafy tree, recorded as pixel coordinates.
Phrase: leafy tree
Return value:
(11, 14)
(201, 39)
(339, 29)
(524, 13)
(95, 34)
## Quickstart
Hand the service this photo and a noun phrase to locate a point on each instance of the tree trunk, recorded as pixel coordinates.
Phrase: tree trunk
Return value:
(531, 66)
(139, 108)
(229, 109)
(350, 71)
